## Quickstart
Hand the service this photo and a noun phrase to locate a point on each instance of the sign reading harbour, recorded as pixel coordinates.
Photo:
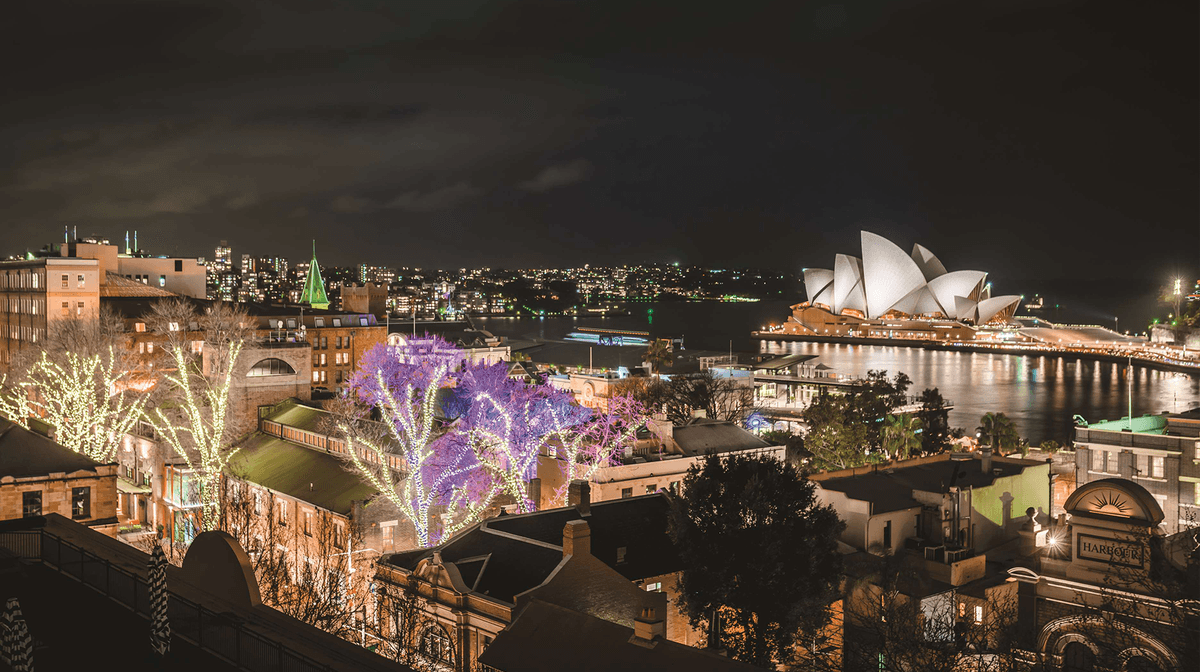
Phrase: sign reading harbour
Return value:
(1112, 551)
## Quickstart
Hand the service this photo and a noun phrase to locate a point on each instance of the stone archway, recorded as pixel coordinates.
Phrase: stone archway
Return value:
(1063, 645)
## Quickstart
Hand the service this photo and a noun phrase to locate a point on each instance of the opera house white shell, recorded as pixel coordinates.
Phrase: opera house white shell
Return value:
(886, 280)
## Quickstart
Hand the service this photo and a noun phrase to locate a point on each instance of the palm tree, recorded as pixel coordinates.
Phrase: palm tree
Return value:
(658, 355)
(902, 434)
(997, 431)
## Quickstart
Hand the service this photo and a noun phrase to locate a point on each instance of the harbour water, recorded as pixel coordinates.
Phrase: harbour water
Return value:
(1040, 393)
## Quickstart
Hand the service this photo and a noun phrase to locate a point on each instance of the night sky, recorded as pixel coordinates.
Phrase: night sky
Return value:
(1041, 141)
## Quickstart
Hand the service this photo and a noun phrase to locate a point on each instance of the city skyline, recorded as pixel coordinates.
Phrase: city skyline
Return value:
(572, 135)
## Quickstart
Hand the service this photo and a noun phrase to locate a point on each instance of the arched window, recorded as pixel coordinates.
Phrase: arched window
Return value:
(1077, 657)
(436, 646)
(271, 367)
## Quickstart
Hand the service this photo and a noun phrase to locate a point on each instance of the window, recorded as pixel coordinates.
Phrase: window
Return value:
(673, 488)
(962, 609)
(79, 309)
(324, 377)
(654, 587)
(178, 265)
(65, 280)
(979, 613)
(66, 308)
(173, 326)
(258, 502)
(81, 503)
(621, 550)
(31, 503)
(139, 327)
(435, 645)
(1196, 496)
(887, 535)
(271, 366)
(80, 282)
(35, 280)
(316, 377)
(324, 343)
(650, 489)
(626, 493)
(283, 513)
(1156, 466)
(389, 534)
(337, 322)
(162, 281)
(308, 523)
(319, 321)
(338, 343)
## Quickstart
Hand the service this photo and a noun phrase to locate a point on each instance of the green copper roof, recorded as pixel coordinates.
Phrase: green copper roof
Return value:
(1147, 424)
(314, 286)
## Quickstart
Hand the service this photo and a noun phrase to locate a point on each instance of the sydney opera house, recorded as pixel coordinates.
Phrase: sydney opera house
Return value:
(887, 290)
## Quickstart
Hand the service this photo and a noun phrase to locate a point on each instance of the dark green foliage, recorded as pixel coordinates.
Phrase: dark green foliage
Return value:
(998, 431)
(759, 550)
(845, 429)
(936, 421)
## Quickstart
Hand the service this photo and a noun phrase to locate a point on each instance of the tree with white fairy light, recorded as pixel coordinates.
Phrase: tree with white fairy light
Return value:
(80, 384)
(85, 399)
(194, 416)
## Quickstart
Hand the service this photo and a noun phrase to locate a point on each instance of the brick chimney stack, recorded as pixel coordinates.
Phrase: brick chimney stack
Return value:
(985, 460)
(579, 495)
(577, 538)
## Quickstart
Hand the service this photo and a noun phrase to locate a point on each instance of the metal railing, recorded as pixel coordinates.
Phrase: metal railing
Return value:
(220, 634)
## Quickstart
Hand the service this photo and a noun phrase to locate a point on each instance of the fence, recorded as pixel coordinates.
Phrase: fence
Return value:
(220, 634)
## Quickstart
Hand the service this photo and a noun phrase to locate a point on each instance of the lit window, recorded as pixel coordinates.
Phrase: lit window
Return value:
(173, 326)
(162, 281)
(79, 309)
(979, 613)
(1156, 466)
(271, 366)
(138, 326)
(654, 587)
(80, 283)
(65, 280)
(316, 377)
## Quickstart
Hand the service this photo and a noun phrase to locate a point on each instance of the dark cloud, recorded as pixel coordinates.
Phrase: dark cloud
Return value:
(1032, 139)
(559, 175)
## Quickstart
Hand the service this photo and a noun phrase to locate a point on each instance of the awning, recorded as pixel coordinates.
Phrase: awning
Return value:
(130, 488)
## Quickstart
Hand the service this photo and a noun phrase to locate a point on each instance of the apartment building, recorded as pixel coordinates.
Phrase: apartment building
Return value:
(36, 292)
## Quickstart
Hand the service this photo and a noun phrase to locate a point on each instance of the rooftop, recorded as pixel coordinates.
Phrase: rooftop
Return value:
(504, 556)
(546, 637)
(1147, 424)
(890, 488)
(118, 286)
(303, 473)
(702, 436)
(24, 454)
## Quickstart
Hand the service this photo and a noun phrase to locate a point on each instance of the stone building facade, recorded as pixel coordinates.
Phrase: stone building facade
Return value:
(39, 477)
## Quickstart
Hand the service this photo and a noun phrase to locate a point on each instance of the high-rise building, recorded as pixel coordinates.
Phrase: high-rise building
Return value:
(222, 283)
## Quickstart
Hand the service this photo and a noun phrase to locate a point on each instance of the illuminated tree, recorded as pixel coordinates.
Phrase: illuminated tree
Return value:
(587, 447)
(408, 455)
(86, 399)
(193, 416)
(83, 383)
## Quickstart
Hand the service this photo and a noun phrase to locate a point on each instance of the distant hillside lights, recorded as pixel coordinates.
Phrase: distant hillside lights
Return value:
(886, 281)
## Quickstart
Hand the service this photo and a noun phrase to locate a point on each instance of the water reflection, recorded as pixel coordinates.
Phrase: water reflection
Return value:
(1040, 393)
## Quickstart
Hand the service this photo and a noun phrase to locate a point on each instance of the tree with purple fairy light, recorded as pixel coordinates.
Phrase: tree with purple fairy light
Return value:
(454, 437)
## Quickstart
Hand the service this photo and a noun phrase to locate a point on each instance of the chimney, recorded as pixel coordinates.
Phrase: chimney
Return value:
(577, 538)
(579, 495)
(985, 460)
(649, 626)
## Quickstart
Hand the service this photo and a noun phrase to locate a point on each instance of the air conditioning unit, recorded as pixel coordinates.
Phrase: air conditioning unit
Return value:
(934, 552)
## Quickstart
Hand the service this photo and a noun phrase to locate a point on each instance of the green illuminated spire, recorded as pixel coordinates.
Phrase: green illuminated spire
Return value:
(314, 286)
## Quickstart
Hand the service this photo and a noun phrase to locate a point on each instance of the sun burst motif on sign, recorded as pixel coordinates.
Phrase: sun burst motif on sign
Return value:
(1111, 502)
